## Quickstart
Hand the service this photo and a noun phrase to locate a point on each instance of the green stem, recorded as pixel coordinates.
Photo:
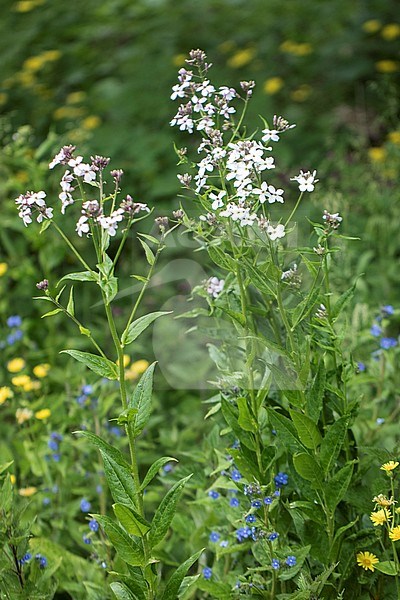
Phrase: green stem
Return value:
(294, 209)
(72, 247)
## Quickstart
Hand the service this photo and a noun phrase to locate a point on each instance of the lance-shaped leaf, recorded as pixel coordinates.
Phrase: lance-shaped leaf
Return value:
(337, 487)
(174, 582)
(141, 401)
(137, 327)
(308, 468)
(287, 433)
(307, 430)
(333, 442)
(131, 520)
(98, 364)
(131, 552)
(82, 276)
(165, 512)
(231, 416)
(122, 592)
(315, 395)
(153, 470)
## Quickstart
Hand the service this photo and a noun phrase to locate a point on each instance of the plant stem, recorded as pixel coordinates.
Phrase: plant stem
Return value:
(72, 247)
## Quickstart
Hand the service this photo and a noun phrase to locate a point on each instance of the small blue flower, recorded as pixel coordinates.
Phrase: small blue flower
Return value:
(56, 457)
(93, 525)
(85, 505)
(81, 400)
(42, 560)
(99, 488)
(380, 421)
(268, 500)
(256, 503)
(52, 444)
(224, 543)
(387, 310)
(275, 563)
(273, 536)
(281, 479)
(87, 390)
(46, 501)
(388, 342)
(251, 519)
(236, 475)
(167, 468)
(56, 436)
(207, 573)
(26, 558)
(361, 367)
(14, 321)
(291, 561)
(103, 564)
(86, 539)
(213, 494)
(234, 502)
(243, 533)
(214, 536)
(375, 330)
(277, 493)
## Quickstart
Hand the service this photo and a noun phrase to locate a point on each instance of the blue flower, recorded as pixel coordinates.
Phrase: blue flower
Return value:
(86, 539)
(213, 494)
(256, 503)
(167, 468)
(277, 493)
(361, 367)
(291, 561)
(275, 563)
(26, 558)
(56, 436)
(87, 390)
(42, 560)
(14, 321)
(281, 479)
(243, 533)
(56, 457)
(46, 501)
(207, 573)
(81, 400)
(224, 543)
(85, 505)
(236, 475)
(388, 342)
(387, 310)
(268, 500)
(380, 421)
(214, 536)
(273, 536)
(93, 525)
(251, 519)
(52, 444)
(234, 502)
(375, 330)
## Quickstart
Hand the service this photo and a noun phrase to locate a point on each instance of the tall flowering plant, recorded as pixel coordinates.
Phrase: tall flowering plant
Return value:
(103, 216)
(283, 369)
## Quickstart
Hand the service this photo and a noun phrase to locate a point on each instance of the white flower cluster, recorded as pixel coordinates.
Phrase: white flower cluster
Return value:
(237, 164)
(214, 286)
(92, 213)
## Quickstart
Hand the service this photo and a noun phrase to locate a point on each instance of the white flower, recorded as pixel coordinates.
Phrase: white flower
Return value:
(239, 213)
(82, 226)
(276, 232)
(270, 135)
(204, 123)
(217, 199)
(214, 286)
(206, 88)
(178, 91)
(227, 93)
(306, 181)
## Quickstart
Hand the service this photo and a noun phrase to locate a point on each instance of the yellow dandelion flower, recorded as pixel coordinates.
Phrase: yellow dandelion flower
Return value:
(136, 369)
(25, 6)
(288, 46)
(387, 66)
(371, 26)
(389, 466)
(75, 97)
(3, 268)
(241, 58)
(301, 93)
(383, 501)
(51, 55)
(68, 112)
(22, 381)
(273, 85)
(5, 394)
(27, 492)
(394, 137)
(43, 414)
(15, 365)
(380, 517)
(41, 370)
(390, 32)
(367, 560)
(395, 534)
(22, 415)
(179, 60)
(13, 479)
(34, 63)
(91, 122)
(377, 154)
(304, 49)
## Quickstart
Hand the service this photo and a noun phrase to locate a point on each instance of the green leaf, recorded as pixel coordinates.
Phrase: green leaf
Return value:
(388, 567)
(148, 252)
(336, 488)
(343, 300)
(333, 442)
(126, 547)
(141, 401)
(262, 281)
(45, 225)
(82, 276)
(98, 364)
(120, 481)
(287, 433)
(246, 419)
(231, 416)
(51, 313)
(174, 582)
(131, 520)
(70, 305)
(153, 470)
(307, 430)
(106, 267)
(137, 327)
(308, 468)
(110, 288)
(105, 447)
(122, 592)
(165, 512)
(315, 395)
(221, 258)
(150, 238)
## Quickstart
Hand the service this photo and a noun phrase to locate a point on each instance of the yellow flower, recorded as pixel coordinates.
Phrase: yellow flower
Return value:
(380, 517)
(34, 63)
(377, 154)
(27, 5)
(389, 466)
(273, 85)
(383, 501)
(22, 415)
(41, 370)
(179, 60)
(297, 49)
(395, 534)
(15, 365)
(136, 369)
(127, 360)
(301, 93)
(75, 97)
(226, 47)
(13, 479)
(91, 122)
(371, 26)
(27, 492)
(43, 414)
(23, 381)
(387, 66)
(68, 112)
(391, 31)
(367, 560)
(3, 268)
(51, 55)
(5, 394)
(394, 137)
(241, 58)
